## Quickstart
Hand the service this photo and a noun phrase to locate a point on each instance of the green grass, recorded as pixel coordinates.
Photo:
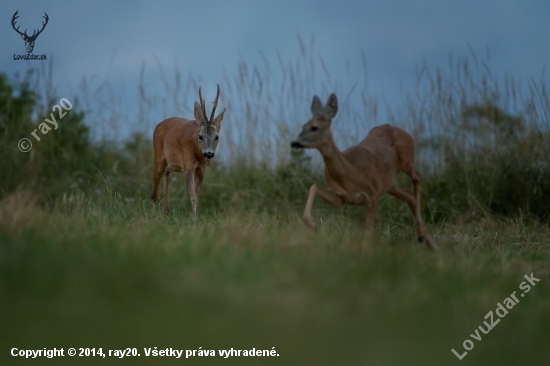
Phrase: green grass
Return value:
(98, 271)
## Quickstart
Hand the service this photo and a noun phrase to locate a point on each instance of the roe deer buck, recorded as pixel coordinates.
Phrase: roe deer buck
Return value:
(185, 146)
(361, 174)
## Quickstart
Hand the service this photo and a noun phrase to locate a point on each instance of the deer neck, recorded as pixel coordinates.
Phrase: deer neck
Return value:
(335, 163)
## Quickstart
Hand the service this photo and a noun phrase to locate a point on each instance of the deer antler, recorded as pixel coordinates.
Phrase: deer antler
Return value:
(215, 104)
(203, 108)
(34, 34)
(13, 19)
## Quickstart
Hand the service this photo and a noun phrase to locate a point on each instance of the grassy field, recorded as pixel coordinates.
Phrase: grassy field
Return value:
(103, 271)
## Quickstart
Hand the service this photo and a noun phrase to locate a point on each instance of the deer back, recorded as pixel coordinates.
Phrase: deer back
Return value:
(177, 140)
(389, 149)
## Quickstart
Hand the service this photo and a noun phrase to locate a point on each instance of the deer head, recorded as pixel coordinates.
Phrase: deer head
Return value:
(29, 40)
(209, 129)
(316, 131)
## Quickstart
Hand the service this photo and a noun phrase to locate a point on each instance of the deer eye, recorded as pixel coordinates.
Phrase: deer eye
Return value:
(200, 137)
(314, 128)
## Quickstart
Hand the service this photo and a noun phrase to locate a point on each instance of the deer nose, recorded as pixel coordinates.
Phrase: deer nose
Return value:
(296, 145)
(209, 154)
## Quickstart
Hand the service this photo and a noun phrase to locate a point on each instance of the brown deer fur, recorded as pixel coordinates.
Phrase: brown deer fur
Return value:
(361, 174)
(185, 146)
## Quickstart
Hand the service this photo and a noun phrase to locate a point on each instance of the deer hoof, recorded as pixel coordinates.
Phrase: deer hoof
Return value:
(428, 242)
(308, 221)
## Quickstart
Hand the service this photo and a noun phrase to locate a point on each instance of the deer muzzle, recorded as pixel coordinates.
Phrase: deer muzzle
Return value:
(296, 145)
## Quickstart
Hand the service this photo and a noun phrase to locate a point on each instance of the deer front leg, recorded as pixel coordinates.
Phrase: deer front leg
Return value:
(199, 175)
(190, 181)
(327, 195)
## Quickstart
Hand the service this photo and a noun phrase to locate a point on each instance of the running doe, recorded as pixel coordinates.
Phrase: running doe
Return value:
(361, 174)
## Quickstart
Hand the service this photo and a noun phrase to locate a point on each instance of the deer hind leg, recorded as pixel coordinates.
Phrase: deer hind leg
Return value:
(166, 186)
(418, 192)
(417, 188)
(158, 170)
(372, 206)
(414, 205)
(327, 195)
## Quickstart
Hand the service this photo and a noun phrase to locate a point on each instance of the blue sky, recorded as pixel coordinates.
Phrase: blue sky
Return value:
(109, 41)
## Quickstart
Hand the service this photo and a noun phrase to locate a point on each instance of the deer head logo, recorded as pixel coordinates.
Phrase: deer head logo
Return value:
(29, 40)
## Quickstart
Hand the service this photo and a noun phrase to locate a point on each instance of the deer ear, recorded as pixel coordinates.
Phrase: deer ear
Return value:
(317, 106)
(331, 107)
(218, 120)
(199, 117)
